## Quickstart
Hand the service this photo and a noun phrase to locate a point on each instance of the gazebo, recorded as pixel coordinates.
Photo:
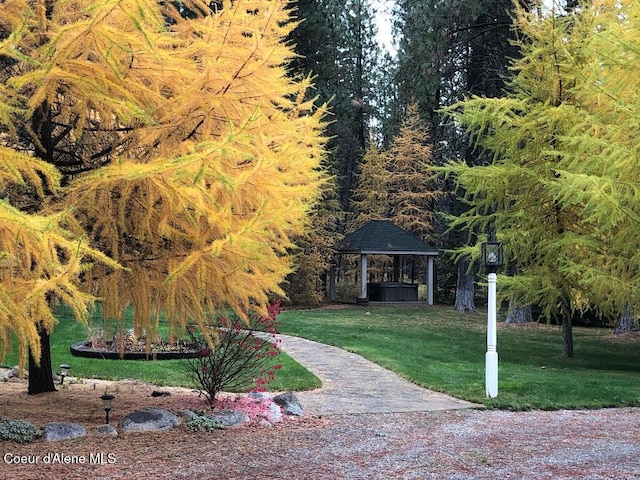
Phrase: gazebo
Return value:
(381, 237)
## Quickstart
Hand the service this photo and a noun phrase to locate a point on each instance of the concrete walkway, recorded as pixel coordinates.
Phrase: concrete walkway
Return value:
(352, 384)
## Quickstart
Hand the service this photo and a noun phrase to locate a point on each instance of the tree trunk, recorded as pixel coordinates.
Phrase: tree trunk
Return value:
(518, 314)
(396, 268)
(567, 335)
(625, 323)
(41, 375)
(465, 288)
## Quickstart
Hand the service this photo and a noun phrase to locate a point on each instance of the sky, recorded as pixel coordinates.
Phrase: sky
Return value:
(383, 22)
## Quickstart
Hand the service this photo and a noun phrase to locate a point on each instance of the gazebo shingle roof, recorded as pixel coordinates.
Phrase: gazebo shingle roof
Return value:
(383, 237)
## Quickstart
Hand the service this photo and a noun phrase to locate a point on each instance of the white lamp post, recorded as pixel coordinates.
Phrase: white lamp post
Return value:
(492, 259)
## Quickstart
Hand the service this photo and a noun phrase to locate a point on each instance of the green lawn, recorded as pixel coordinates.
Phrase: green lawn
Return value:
(443, 350)
(433, 346)
(292, 376)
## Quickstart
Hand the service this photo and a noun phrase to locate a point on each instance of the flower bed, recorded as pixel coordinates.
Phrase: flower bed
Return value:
(111, 352)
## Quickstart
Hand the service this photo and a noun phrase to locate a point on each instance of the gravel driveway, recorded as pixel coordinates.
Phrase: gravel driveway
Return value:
(454, 445)
(394, 430)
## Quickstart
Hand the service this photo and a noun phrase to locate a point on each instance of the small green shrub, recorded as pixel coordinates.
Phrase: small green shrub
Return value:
(347, 291)
(202, 423)
(19, 431)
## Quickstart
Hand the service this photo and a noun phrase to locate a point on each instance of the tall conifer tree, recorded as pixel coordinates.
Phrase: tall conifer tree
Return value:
(336, 42)
(449, 49)
(562, 185)
(373, 188)
(188, 154)
(413, 192)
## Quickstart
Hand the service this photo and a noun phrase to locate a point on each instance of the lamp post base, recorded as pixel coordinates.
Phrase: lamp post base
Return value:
(491, 372)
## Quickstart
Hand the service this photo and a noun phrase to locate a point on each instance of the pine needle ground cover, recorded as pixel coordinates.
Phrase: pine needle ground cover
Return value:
(292, 376)
(443, 350)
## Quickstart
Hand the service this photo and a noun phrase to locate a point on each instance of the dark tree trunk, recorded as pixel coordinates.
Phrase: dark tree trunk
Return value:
(518, 314)
(465, 288)
(567, 335)
(625, 323)
(41, 376)
(396, 268)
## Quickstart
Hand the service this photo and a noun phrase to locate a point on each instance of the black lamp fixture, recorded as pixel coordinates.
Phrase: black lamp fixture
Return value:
(492, 255)
(64, 371)
(106, 401)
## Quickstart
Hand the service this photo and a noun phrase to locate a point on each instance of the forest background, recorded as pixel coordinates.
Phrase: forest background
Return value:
(477, 118)
(387, 130)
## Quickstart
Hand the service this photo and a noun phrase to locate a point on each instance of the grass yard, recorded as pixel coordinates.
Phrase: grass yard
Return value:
(292, 376)
(435, 347)
(444, 350)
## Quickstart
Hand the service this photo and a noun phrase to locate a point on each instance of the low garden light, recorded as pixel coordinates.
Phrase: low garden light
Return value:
(106, 401)
(492, 258)
(64, 371)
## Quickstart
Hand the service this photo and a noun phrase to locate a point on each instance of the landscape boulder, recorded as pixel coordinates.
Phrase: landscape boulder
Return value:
(273, 413)
(7, 373)
(229, 418)
(149, 419)
(107, 430)
(289, 403)
(259, 396)
(63, 431)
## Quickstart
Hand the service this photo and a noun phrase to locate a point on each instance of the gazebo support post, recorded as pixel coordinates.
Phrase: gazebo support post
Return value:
(430, 280)
(364, 298)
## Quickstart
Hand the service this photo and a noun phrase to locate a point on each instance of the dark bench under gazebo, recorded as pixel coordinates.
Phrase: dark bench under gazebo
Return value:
(381, 237)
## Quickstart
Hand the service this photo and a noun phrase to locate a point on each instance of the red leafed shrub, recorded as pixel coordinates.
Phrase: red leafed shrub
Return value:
(239, 359)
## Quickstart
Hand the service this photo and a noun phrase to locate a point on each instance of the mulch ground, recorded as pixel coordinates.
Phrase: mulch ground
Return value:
(454, 445)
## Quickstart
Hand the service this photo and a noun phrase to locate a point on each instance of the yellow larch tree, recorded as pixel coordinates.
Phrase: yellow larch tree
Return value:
(370, 199)
(314, 251)
(413, 189)
(187, 154)
(562, 188)
(39, 259)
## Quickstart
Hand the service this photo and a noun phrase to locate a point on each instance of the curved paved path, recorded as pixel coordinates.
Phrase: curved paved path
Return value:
(352, 384)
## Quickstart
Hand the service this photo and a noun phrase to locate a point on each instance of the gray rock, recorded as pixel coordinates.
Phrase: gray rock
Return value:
(229, 418)
(264, 423)
(63, 431)
(289, 403)
(150, 419)
(187, 415)
(275, 413)
(261, 396)
(108, 430)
